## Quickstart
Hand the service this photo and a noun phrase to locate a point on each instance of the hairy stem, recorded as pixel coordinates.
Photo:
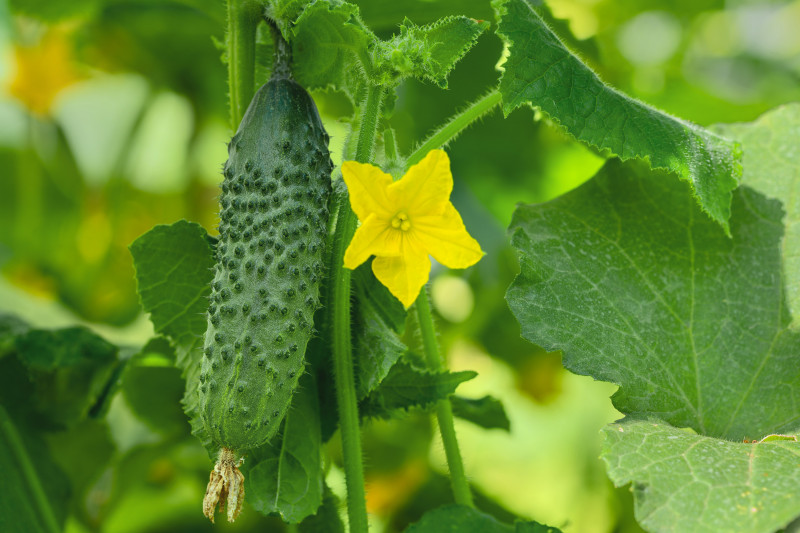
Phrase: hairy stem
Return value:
(369, 124)
(454, 126)
(243, 18)
(19, 455)
(341, 327)
(444, 410)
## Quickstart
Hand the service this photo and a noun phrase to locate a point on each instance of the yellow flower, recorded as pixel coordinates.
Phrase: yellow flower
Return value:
(42, 71)
(404, 221)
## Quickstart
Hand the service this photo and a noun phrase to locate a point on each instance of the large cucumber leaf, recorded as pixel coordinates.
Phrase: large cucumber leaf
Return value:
(636, 286)
(540, 71)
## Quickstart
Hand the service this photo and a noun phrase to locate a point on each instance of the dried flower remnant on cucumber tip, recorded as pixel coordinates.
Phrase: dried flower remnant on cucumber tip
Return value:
(226, 485)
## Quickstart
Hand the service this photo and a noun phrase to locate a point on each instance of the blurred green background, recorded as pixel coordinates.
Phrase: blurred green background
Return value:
(113, 118)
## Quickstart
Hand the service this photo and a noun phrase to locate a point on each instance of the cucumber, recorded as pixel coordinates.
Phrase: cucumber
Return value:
(274, 214)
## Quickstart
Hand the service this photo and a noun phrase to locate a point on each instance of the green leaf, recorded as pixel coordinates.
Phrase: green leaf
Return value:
(34, 491)
(463, 519)
(428, 52)
(333, 48)
(11, 327)
(327, 519)
(377, 347)
(542, 72)
(636, 286)
(330, 47)
(770, 166)
(174, 268)
(69, 370)
(285, 476)
(174, 272)
(688, 482)
(285, 13)
(486, 412)
(406, 387)
(374, 294)
(153, 387)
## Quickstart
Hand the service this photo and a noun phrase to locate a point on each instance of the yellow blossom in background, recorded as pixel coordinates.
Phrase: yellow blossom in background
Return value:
(42, 71)
(404, 221)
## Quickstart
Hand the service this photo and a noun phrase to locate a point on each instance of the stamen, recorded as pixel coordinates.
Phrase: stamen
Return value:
(401, 221)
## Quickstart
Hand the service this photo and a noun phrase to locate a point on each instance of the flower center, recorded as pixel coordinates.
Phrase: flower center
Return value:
(401, 222)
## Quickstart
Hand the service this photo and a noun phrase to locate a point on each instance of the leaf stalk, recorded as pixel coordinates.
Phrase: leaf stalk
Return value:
(454, 126)
(444, 409)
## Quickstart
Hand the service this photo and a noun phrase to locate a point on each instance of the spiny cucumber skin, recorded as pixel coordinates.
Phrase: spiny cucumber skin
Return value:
(274, 214)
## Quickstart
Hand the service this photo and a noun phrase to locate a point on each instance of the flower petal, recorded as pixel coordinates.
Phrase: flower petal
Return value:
(367, 186)
(375, 236)
(405, 275)
(446, 239)
(425, 189)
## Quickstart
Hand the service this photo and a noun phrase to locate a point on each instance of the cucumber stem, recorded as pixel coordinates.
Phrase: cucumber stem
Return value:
(341, 327)
(444, 409)
(282, 55)
(243, 19)
(454, 126)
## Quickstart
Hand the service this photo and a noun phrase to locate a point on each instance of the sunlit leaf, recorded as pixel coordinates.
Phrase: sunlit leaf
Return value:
(688, 482)
(636, 286)
(770, 166)
(542, 72)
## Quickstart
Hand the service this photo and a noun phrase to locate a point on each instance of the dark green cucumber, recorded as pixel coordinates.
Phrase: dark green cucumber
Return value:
(274, 214)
